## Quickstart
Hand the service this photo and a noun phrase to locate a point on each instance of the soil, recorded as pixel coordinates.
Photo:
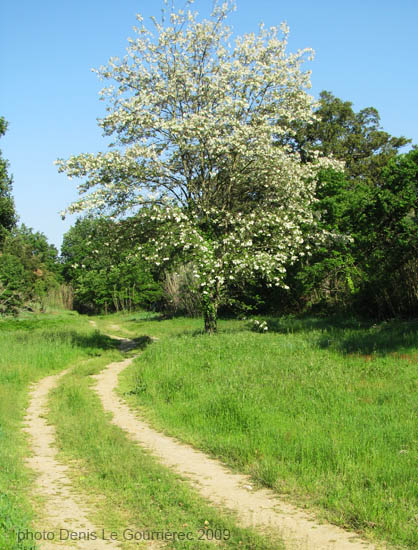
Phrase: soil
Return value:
(62, 508)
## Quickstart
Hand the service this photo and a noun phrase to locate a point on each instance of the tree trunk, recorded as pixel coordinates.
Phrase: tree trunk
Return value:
(210, 316)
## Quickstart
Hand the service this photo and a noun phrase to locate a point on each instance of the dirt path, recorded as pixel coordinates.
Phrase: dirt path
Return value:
(259, 508)
(63, 510)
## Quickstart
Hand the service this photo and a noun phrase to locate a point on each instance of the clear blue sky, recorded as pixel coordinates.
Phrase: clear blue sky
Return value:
(366, 52)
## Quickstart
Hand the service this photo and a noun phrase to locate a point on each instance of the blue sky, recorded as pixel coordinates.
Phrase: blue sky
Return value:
(366, 52)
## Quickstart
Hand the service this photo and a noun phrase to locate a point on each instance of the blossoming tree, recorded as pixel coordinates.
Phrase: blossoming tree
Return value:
(199, 126)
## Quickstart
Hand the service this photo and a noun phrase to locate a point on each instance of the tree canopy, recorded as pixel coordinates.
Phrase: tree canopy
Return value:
(103, 272)
(7, 207)
(196, 124)
(355, 138)
(29, 268)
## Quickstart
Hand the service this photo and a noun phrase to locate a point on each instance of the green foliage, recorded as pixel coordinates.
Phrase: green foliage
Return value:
(7, 208)
(37, 246)
(13, 282)
(28, 270)
(332, 274)
(372, 266)
(388, 239)
(355, 138)
(28, 264)
(371, 262)
(105, 273)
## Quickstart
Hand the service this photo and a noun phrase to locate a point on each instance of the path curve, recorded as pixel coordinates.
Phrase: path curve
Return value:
(63, 509)
(261, 508)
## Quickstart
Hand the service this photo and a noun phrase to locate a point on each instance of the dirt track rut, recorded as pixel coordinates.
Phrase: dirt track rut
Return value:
(64, 510)
(259, 508)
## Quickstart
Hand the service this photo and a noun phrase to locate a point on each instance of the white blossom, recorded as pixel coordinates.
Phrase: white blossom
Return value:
(197, 123)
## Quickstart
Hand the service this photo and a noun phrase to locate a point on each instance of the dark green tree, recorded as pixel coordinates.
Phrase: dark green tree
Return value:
(388, 240)
(37, 245)
(101, 265)
(355, 138)
(344, 272)
(373, 265)
(29, 265)
(28, 269)
(7, 207)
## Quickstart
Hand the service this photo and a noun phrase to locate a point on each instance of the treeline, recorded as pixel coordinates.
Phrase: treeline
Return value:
(100, 261)
(30, 271)
(368, 264)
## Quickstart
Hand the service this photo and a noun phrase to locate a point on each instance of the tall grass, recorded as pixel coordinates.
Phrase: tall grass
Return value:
(181, 293)
(324, 412)
(61, 297)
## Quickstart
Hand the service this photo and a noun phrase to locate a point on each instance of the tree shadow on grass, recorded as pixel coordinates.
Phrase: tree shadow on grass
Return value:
(103, 342)
(220, 331)
(351, 335)
(149, 316)
(292, 324)
(138, 343)
(65, 337)
(93, 340)
(379, 339)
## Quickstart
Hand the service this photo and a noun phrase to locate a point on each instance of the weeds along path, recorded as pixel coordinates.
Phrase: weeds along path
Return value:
(62, 509)
(260, 508)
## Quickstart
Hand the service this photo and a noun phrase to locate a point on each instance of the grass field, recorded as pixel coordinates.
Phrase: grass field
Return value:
(30, 349)
(127, 486)
(124, 485)
(324, 411)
